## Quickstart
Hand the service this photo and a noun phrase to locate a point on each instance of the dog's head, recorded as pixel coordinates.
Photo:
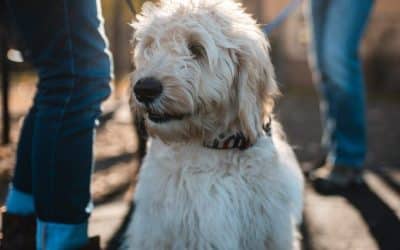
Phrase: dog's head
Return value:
(201, 67)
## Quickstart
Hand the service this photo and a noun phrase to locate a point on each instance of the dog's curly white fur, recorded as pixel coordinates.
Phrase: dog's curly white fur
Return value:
(217, 77)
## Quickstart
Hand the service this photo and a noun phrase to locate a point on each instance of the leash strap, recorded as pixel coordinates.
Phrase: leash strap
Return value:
(268, 28)
(131, 7)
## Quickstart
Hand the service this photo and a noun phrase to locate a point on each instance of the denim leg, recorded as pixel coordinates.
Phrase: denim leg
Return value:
(342, 84)
(22, 180)
(19, 202)
(318, 12)
(55, 154)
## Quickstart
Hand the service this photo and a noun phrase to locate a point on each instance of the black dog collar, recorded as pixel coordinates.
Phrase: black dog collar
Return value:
(235, 140)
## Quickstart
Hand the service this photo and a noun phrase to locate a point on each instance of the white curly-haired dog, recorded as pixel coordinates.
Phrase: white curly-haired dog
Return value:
(212, 177)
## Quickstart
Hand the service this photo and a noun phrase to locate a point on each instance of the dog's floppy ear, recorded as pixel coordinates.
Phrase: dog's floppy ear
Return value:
(255, 83)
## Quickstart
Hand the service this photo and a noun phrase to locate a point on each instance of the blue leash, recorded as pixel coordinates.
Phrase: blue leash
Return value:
(268, 28)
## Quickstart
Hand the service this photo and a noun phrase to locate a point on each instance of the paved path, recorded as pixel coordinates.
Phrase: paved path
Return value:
(364, 219)
(367, 218)
(107, 219)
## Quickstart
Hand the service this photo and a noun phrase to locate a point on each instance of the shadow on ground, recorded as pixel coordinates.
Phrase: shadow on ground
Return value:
(383, 223)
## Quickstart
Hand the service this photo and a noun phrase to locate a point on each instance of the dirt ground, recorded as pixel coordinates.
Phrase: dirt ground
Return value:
(364, 219)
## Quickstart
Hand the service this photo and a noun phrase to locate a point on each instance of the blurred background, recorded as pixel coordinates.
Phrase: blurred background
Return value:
(368, 219)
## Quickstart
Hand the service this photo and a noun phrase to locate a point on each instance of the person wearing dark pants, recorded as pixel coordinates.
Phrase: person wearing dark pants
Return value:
(55, 152)
(337, 27)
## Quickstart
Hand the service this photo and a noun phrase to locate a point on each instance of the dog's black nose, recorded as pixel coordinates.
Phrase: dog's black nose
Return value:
(147, 89)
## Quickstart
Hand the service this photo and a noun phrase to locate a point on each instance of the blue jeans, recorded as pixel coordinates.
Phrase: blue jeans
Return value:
(337, 28)
(55, 151)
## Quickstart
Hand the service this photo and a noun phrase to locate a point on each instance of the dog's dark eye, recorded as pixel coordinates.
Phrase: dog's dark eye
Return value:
(196, 50)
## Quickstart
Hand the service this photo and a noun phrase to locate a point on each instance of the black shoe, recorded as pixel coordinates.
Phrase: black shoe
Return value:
(18, 232)
(336, 179)
(93, 244)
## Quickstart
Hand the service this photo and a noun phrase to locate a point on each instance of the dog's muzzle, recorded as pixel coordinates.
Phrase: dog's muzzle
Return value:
(147, 90)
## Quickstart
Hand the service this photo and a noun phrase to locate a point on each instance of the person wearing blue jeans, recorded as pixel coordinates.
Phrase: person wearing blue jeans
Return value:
(337, 27)
(54, 159)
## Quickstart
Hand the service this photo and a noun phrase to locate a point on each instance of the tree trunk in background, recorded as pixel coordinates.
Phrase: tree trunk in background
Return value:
(4, 89)
(117, 32)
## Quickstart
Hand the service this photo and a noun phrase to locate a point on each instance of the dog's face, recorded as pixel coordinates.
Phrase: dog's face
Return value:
(202, 67)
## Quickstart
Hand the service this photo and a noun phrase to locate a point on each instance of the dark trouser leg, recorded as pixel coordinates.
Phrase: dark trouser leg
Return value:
(55, 154)
(337, 29)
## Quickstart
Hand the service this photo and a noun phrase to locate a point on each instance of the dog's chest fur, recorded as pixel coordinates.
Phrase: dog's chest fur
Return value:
(191, 197)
